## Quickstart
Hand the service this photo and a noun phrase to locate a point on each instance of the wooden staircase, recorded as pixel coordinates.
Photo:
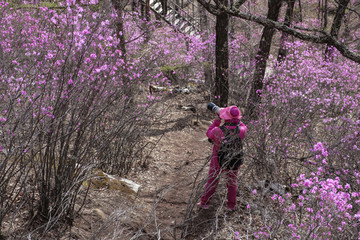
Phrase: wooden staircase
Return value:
(178, 17)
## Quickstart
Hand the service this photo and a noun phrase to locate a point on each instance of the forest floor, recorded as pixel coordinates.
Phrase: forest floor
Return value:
(165, 207)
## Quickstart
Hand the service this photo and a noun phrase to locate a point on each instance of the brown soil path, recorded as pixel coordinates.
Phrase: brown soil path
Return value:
(159, 209)
(168, 183)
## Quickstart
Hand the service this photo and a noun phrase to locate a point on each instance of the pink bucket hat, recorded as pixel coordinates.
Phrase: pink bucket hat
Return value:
(230, 113)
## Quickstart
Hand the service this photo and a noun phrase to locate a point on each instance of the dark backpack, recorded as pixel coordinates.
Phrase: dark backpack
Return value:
(230, 155)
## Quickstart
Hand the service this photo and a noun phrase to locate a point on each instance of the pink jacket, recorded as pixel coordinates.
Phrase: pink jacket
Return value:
(216, 134)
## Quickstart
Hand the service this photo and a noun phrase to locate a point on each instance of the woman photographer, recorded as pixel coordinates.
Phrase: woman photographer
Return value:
(231, 116)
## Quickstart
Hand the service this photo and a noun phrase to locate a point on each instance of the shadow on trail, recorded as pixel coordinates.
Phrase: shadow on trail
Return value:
(177, 125)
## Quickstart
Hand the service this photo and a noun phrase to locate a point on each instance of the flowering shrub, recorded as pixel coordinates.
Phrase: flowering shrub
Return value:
(71, 100)
(305, 105)
(308, 131)
(327, 207)
(323, 209)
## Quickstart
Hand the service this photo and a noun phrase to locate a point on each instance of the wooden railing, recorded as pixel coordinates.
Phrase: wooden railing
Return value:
(180, 14)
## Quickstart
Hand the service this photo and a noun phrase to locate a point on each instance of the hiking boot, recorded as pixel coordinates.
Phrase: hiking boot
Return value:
(230, 209)
(203, 205)
(230, 206)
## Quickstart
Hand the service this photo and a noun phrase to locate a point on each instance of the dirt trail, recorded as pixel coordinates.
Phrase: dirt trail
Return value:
(165, 208)
(168, 183)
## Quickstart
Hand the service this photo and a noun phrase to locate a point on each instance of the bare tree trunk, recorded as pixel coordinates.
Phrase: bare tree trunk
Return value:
(325, 14)
(261, 59)
(222, 58)
(335, 28)
(300, 12)
(232, 22)
(324, 11)
(284, 36)
(134, 5)
(204, 27)
(177, 2)
(119, 8)
(142, 9)
(145, 9)
(164, 5)
(322, 38)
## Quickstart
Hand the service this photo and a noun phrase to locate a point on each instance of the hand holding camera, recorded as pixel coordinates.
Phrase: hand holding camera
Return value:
(215, 109)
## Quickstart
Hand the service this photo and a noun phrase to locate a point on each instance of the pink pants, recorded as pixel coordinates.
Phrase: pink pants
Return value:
(213, 179)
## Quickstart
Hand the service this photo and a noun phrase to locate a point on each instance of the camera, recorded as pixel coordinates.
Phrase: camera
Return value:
(213, 107)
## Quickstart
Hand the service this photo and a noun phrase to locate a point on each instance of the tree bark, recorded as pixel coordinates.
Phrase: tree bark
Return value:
(147, 10)
(335, 28)
(177, 4)
(164, 7)
(221, 91)
(120, 28)
(315, 35)
(325, 14)
(261, 59)
(204, 28)
(134, 5)
(120, 33)
(284, 36)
